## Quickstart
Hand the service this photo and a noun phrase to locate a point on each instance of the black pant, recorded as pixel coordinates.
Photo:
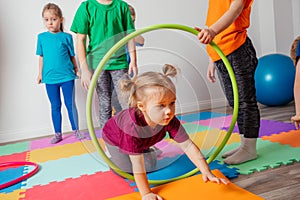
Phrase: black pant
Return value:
(244, 63)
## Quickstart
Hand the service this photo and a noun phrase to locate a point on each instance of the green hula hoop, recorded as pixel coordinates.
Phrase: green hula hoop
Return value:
(105, 59)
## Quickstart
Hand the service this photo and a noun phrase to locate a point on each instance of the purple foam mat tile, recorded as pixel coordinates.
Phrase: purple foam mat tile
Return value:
(97, 132)
(268, 127)
(235, 129)
(67, 139)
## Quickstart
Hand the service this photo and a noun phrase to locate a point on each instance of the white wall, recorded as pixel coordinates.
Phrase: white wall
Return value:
(276, 24)
(24, 106)
(25, 110)
(179, 48)
(296, 17)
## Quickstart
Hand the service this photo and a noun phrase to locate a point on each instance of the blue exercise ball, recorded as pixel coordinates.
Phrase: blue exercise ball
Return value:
(274, 80)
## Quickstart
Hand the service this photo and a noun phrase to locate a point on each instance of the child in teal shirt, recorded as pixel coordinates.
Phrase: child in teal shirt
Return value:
(58, 69)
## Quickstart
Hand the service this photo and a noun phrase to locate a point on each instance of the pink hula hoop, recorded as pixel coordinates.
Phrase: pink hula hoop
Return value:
(21, 178)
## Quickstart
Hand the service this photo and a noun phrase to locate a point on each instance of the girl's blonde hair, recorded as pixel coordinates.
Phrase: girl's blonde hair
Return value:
(293, 49)
(57, 11)
(135, 88)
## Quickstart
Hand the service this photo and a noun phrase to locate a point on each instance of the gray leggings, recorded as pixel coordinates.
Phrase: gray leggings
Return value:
(122, 160)
(104, 92)
(244, 62)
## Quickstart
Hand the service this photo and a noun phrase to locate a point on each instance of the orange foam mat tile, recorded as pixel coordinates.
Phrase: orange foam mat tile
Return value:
(291, 138)
(193, 188)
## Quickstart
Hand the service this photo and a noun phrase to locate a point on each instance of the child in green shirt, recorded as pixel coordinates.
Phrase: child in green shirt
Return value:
(105, 22)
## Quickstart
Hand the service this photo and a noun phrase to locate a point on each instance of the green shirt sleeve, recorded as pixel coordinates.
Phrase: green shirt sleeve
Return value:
(80, 22)
(127, 20)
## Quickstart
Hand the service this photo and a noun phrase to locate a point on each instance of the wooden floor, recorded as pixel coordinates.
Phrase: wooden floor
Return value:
(281, 183)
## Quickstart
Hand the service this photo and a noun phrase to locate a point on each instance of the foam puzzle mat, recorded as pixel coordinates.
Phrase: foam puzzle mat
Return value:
(74, 170)
(193, 188)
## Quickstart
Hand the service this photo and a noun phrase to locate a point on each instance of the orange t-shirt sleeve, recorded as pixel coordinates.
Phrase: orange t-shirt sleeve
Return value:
(233, 36)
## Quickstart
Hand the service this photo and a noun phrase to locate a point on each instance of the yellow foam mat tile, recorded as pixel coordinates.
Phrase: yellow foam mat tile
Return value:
(63, 151)
(212, 138)
(15, 195)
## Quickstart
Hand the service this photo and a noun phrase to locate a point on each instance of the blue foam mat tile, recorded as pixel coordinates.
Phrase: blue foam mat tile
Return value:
(9, 175)
(182, 166)
(230, 173)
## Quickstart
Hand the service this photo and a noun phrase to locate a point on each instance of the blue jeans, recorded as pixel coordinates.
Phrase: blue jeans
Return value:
(68, 90)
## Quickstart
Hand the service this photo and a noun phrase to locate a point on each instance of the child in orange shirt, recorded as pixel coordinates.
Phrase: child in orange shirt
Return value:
(227, 25)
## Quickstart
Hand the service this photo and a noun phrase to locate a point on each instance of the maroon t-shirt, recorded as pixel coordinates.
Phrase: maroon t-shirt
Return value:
(129, 131)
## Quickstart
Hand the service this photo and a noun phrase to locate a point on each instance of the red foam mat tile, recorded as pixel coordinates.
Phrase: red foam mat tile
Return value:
(99, 186)
(16, 157)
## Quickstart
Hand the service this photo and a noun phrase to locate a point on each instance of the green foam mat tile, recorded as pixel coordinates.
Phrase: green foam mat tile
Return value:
(14, 148)
(192, 128)
(270, 155)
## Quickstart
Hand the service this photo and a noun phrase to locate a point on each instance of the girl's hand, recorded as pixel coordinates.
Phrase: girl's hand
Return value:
(133, 69)
(39, 79)
(151, 196)
(78, 75)
(212, 178)
(296, 120)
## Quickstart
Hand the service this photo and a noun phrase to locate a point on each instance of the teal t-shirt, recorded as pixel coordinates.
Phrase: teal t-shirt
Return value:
(105, 25)
(56, 50)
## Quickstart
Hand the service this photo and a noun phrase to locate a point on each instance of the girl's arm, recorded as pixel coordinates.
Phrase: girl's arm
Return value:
(195, 155)
(211, 71)
(207, 35)
(86, 75)
(140, 40)
(296, 119)
(39, 79)
(139, 172)
(132, 54)
(73, 59)
(297, 89)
